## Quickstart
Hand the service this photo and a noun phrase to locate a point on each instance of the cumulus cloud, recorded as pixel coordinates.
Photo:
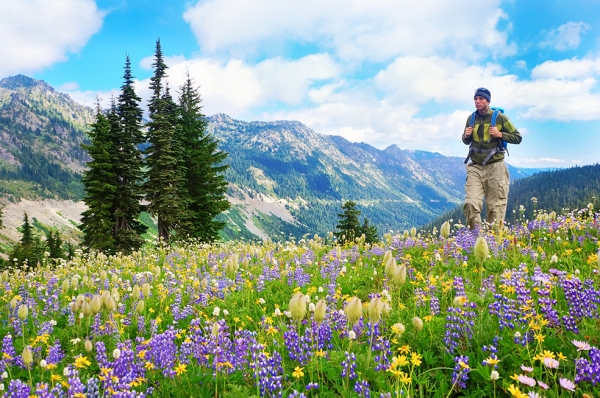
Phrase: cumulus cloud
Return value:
(350, 29)
(565, 37)
(35, 34)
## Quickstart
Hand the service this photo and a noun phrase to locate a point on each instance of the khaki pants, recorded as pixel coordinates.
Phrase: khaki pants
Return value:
(491, 181)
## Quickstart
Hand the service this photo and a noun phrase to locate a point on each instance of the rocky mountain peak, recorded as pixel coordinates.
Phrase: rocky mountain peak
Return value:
(21, 81)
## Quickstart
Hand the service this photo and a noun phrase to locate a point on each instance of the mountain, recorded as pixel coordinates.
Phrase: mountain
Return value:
(40, 133)
(284, 177)
(561, 191)
(306, 176)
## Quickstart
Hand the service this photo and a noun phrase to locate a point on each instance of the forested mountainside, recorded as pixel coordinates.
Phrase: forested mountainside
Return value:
(559, 191)
(40, 133)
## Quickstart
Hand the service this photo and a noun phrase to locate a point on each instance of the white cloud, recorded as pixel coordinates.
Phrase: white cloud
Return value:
(574, 68)
(350, 29)
(35, 34)
(565, 37)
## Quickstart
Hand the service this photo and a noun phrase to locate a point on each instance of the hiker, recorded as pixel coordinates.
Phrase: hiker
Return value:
(487, 131)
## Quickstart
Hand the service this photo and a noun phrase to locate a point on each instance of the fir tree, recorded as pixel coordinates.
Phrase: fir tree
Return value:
(54, 243)
(99, 181)
(370, 232)
(164, 176)
(127, 135)
(1, 215)
(348, 226)
(205, 181)
(30, 249)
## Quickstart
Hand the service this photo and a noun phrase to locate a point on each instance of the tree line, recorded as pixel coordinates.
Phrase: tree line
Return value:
(178, 177)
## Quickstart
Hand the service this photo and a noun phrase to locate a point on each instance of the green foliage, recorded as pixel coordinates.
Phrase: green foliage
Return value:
(99, 180)
(203, 162)
(348, 228)
(165, 184)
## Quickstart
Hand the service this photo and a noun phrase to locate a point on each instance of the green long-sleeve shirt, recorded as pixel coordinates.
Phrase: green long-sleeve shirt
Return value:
(481, 135)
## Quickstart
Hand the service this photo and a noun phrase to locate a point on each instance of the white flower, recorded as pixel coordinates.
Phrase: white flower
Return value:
(261, 301)
(66, 372)
(288, 314)
(53, 322)
(277, 312)
(216, 311)
(4, 375)
(75, 341)
(351, 335)
(1, 387)
(225, 312)
(554, 259)
(43, 363)
(517, 334)
(343, 271)
(494, 375)
(116, 353)
(311, 307)
(320, 290)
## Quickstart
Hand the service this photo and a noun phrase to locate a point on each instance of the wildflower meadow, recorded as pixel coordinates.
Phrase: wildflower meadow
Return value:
(511, 311)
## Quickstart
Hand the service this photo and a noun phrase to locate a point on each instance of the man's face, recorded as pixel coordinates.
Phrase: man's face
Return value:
(481, 103)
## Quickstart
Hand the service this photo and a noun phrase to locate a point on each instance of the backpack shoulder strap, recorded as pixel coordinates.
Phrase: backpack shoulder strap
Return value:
(473, 118)
(494, 118)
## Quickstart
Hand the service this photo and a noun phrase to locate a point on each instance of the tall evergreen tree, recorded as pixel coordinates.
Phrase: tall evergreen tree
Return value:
(1, 215)
(30, 249)
(348, 226)
(127, 135)
(164, 177)
(370, 231)
(99, 180)
(204, 179)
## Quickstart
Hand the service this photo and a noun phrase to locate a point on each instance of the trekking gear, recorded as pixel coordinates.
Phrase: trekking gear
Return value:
(502, 145)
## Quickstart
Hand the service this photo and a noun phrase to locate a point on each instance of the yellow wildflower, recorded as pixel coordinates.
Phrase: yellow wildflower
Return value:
(179, 369)
(405, 349)
(415, 359)
(82, 362)
(298, 373)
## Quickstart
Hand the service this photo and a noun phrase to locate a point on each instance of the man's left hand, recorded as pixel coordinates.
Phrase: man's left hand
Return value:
(495, 133)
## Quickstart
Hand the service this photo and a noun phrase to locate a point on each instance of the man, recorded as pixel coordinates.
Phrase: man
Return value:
(487, 174)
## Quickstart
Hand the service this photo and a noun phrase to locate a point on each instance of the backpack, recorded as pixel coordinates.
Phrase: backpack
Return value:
(502, 145)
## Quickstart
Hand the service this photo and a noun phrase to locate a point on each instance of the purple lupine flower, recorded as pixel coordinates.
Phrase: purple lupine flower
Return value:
(460, 375)
(588, 370)
(362, 389)
(349, 366)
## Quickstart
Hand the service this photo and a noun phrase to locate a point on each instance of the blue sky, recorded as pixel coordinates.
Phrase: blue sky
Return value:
(381, 72)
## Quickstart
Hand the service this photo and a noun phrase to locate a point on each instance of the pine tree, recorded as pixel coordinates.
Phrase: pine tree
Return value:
(1, 215)
(164, 176)
(370, 232)
(127, 135)
(99, 181)
(348, 226)
(205, 181)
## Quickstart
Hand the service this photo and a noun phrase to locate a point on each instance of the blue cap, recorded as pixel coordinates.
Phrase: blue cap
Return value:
(483, 92)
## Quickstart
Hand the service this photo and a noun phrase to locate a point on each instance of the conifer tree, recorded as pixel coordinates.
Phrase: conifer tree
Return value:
(204, 179)
(127, 135)
(370, 231)
(54, 243)
(1, 215)
(348, 226)
(30, 249)
(99, 181)
(164, 176)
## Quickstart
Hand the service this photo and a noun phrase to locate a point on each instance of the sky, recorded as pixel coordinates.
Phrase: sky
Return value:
(382, 72)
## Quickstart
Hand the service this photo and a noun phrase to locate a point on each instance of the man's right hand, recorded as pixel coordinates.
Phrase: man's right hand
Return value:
(468, 131)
